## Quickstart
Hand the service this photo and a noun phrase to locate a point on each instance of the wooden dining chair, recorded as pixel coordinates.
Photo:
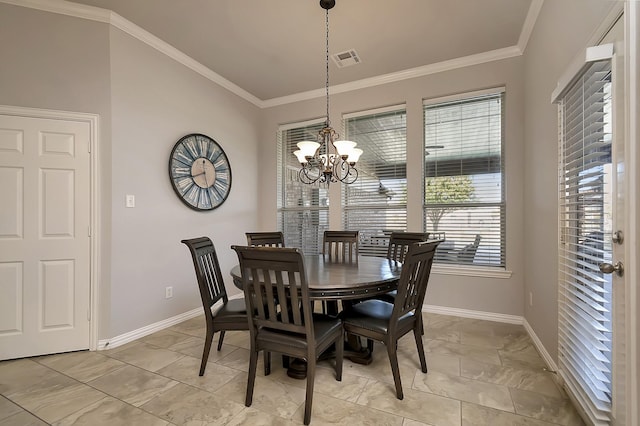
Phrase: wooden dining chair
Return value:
(270, 239)
(293, 329)
(385, 322)
(399, 243)
(232, 314)
(340, 245)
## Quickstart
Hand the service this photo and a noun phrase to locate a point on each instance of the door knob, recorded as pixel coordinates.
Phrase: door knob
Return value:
(608, 268)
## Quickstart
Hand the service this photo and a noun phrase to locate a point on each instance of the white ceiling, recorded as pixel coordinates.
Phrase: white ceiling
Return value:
(276, 48)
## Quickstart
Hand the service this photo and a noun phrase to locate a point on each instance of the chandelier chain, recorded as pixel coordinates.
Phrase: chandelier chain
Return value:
(327, 66)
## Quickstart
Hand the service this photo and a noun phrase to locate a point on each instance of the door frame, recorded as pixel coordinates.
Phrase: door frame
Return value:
(94, 201)
(632, 159)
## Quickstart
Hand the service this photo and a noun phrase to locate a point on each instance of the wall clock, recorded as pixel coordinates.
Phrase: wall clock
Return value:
(200, 172)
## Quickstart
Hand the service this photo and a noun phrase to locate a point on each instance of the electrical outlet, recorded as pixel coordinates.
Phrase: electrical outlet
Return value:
(168, 292)
(530, 299)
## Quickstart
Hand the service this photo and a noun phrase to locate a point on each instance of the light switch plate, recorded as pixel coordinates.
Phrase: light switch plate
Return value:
(130, 201)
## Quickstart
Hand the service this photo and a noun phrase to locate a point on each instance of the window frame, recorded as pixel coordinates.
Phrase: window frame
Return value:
(455, 267)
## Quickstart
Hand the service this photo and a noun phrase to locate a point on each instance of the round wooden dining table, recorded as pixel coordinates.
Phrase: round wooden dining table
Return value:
(330, 280)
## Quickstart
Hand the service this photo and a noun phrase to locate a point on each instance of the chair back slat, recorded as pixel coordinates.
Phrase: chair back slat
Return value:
(276, 288)
(414, 279)
(399, 243)
(341, 245)
(265, 239)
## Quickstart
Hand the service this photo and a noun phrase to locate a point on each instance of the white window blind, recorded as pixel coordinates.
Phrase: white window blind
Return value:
(376, 204)
(464, 178)
(303, 210)
(585, 328)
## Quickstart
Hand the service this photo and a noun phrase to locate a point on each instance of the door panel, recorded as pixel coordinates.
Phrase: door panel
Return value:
(44, 236)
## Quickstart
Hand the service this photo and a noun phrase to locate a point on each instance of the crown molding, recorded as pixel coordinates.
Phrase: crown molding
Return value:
(466, 61)
(529, 23)
(102, 15)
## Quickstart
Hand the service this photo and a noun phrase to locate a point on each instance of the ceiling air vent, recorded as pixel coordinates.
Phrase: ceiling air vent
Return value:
(345, 59)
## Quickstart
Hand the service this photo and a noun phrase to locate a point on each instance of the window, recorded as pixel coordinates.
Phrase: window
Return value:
(303, 210)
(464, 178)
(585, 293)
(376, 203)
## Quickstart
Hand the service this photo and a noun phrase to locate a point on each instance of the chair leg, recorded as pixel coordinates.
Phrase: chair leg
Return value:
(220, 339)
(251, 378)
(267, 363)
(207, 348)
(420, 346)
(393, 358)
(339, 357)
(311, 373)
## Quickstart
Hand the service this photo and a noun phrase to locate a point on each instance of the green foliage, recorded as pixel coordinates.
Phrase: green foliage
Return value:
(443, 193)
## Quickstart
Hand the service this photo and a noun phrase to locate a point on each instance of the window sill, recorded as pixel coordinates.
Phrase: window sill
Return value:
(471, 271)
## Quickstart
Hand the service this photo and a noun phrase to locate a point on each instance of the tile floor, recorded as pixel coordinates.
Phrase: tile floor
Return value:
(480, 373)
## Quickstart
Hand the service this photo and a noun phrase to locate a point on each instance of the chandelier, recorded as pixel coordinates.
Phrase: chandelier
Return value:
(327, 159)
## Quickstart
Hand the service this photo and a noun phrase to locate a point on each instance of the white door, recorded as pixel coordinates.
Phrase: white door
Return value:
(44, 236)
(592, 310)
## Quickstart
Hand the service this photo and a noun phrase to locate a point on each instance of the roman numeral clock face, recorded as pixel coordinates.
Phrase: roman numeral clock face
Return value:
(200, 172)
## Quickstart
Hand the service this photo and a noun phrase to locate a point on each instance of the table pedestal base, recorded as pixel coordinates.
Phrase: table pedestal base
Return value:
(354, 351)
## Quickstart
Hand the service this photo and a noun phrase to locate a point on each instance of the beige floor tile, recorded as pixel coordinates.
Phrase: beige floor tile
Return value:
(22, 418)
(165, 338)
(525, 378)
(409, 422)
(518, 359)
(479, 353)
(331, 411)
(83, 366)
(8, 408)
(416, 405)
(380, 367)
(133, 385)
(112, 412)
(349, 389)
(192, 346)
(196, 327)
(186, 405)
(186, 370)
(252, 417)
(463, 389)
(476, 415)
(21, 374)
(147, 356)
(270, 396)
(55, 398)
(545, 408)
(239, 339)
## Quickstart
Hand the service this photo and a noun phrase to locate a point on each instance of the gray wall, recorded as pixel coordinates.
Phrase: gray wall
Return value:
(562, 31)
(155, 101)
(496, 295)
(146, 102)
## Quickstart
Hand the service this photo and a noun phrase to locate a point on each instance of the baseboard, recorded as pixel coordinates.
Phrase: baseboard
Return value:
(146, 330)
(467, 313)
(551, 364)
